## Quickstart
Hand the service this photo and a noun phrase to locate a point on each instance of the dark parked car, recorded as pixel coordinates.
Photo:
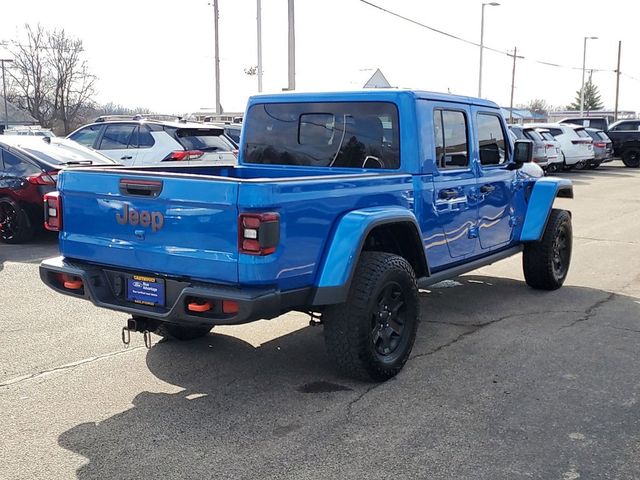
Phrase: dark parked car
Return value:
(602, 147)
(29, 167)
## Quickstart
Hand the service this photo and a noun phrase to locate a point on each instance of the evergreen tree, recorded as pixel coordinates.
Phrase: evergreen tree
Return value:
(592, 100)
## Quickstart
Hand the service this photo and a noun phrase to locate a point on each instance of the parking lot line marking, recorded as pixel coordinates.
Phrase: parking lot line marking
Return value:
(67, 366)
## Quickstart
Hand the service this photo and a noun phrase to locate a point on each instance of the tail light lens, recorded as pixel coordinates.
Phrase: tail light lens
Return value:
(53, 211)
(258, 233)
(184, 155)
(43, 178)
(600, 144)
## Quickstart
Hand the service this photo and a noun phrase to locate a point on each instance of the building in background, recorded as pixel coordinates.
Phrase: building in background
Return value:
(17, 117)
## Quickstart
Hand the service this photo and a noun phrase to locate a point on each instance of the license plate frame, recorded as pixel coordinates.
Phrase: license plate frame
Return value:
(145, 290)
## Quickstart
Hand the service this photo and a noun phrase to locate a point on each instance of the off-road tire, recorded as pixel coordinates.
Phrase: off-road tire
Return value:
(546, 262)
(631, 157)
(20, 229)
(180, 332)
(355, 332)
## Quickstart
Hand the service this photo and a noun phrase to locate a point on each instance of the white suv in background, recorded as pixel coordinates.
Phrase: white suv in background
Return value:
(142, 141)
(576, 144)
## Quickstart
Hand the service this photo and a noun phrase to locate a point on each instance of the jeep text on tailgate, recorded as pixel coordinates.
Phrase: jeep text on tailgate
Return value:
(342, 205)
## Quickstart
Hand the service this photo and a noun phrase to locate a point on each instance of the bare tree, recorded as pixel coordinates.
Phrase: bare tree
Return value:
(74, 85)
(31, 76)
(51, 78)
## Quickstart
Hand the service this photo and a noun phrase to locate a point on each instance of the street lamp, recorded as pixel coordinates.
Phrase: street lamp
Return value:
(4, 92)
(584, 61)
(491, 4)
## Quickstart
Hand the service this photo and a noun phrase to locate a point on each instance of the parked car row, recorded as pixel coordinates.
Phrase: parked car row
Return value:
(564, 146)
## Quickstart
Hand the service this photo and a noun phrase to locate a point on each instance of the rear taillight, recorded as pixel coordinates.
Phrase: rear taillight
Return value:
(235, 152)
(43, 178)
(184, 155)
(258, 233)
(600, 144)
(53, 211)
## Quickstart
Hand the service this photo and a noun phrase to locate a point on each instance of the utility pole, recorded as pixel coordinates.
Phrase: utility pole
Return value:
(513, 82)
(4, 96)
(217, 57)
(259, 22)
(292, 48)
(615, 113)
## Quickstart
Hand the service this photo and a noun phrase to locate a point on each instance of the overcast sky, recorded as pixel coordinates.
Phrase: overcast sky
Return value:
(159, 53)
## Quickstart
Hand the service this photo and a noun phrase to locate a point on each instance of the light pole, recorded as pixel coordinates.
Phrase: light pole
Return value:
(217, 56)
(492, 4)
(259, 23)
(4, 93)
(584, 61)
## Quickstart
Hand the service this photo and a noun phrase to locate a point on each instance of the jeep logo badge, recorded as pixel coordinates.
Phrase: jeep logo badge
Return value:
(144, 218)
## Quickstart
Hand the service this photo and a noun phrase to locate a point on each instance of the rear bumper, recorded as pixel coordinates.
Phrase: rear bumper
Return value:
(103, 287)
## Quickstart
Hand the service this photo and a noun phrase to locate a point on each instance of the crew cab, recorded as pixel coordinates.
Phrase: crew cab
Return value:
(342, 205)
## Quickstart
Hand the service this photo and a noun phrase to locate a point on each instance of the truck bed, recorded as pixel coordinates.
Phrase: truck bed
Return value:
(183, 221)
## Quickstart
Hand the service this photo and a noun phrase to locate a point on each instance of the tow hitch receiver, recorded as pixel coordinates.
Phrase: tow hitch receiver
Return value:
(136, 325)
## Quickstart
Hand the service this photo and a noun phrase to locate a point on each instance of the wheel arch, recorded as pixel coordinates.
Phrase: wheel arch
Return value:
(391, 229)
(543, 194)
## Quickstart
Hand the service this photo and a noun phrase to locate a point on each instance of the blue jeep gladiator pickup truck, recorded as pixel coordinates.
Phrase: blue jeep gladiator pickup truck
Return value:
(342, 205)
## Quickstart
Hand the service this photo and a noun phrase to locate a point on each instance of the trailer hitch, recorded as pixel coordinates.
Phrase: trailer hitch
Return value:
(135, 324)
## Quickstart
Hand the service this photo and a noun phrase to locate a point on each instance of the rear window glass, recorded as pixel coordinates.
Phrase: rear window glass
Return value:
(582, 133)
(57, 154)
(204, 139)
(518, 133)
(548, 136)
(340, 134)
(533, 135)
(604, 136)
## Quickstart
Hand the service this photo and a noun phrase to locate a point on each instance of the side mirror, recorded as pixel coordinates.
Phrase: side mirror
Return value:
(522, 153)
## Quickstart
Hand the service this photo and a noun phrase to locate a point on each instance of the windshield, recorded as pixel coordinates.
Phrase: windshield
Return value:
(340, 134)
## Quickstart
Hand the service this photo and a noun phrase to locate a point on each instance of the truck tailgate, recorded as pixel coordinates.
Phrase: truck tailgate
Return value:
(170, 224)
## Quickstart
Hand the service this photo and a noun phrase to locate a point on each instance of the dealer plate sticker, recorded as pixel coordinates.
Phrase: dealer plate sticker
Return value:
(145, 290)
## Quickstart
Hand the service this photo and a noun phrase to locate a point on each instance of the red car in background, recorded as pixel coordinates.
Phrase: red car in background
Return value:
(29, 167)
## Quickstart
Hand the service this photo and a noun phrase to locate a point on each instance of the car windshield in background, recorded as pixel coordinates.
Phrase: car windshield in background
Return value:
(341, 134)
(210, 140)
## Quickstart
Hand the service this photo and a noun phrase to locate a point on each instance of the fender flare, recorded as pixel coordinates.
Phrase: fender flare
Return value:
(544, 192)
(344, 248)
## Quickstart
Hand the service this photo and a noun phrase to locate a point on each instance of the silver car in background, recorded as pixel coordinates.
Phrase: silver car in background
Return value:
(602, 147)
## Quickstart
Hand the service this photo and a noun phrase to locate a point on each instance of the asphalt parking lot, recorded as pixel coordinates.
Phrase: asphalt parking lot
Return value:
(504, 382)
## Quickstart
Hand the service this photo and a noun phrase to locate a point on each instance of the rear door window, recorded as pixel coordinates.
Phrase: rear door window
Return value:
(452, 139)
(340, 134)
(582, 133)
(491, 141)
(116, 137)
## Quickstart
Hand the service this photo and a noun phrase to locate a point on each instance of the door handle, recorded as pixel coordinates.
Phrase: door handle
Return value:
(487, 188)
(448, 193)
(126, 157)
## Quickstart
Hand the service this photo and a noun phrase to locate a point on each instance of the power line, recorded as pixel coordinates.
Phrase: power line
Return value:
(471, 42)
